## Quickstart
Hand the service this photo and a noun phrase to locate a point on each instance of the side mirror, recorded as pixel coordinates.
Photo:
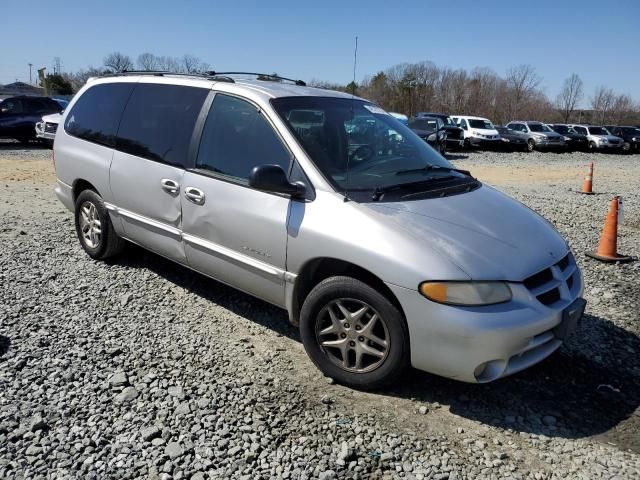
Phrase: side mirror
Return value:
(272, 178)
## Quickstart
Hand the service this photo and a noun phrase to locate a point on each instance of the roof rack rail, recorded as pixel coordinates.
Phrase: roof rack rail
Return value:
(160, 73)
(300, 83)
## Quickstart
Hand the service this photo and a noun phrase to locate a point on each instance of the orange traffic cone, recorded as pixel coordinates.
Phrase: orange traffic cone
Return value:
(608, 248)
(588, 181)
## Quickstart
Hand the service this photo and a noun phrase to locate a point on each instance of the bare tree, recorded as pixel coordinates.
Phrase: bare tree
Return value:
(522, 80)
(118, 62)
(569, 96)
(168, 64)
(79, 78)
(621, 109)
(147, 61)
(191, 64)
(602, 102)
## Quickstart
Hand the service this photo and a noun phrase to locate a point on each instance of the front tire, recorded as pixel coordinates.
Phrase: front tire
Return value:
(94, 228)
(354, 334)
(530, 145)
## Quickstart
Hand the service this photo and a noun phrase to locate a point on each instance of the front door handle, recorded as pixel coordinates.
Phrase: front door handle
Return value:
(170, 186)
(194, 195)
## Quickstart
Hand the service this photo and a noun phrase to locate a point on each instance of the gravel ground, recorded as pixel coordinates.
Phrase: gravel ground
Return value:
(142, 369)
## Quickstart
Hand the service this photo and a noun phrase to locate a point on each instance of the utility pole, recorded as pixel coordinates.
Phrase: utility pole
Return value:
(30, 65)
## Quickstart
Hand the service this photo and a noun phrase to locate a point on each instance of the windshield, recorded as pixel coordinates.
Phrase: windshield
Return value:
(504, 130)
(379, 150)
(483, 124)
(423, 124)
(598, 131)
(539, 127)
(562, 129)
(445, 119)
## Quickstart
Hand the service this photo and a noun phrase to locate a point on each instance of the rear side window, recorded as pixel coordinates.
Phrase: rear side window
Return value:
(12, 105)
(95, 116)
(158, 122)
(41, 105)
(237, 137)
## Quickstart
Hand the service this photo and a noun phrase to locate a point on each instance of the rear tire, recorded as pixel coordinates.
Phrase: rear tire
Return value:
(354, 334)
(626, 147)
(591, 147)
(94, 228)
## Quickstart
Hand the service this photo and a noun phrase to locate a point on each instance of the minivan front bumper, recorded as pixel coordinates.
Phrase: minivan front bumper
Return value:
(482, 344)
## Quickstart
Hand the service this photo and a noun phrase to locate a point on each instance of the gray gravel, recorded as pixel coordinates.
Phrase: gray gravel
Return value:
(141, 369)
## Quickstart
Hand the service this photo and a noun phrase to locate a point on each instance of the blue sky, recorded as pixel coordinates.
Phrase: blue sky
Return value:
(598, 40)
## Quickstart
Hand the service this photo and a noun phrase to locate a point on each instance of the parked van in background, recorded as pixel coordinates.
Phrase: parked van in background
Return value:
(478, 131)
(599, 137)
(542, 135)
(325, 205)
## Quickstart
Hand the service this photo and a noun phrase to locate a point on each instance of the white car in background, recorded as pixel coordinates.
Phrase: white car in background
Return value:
(477, 131)
(599, 137)
(46, 129)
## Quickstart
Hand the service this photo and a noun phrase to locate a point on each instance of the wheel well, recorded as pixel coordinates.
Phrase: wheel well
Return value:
(81, 185)
(319, 269)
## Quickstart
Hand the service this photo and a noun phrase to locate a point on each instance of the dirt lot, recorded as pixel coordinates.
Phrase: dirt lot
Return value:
(225, 382)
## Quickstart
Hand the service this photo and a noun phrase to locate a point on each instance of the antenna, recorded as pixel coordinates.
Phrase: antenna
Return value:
(353, 96)
(355, 63)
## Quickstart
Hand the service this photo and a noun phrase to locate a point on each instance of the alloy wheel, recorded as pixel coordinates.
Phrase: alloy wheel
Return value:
(90, 225)
(352, 335)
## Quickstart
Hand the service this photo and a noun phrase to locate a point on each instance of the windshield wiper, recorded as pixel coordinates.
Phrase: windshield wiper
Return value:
(431, 167)
(379, 192)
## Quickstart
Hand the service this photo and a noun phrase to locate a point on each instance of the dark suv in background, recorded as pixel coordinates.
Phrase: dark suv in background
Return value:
(574, 140)
(429, 129)
(630, 136)
(18, 116)
(454, 134)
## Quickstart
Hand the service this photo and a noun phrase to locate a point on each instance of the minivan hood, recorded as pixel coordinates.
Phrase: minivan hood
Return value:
(485, 131)
(547, 134)
(485, 233)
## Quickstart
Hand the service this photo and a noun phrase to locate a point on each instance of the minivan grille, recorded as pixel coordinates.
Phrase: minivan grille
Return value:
(549, 284)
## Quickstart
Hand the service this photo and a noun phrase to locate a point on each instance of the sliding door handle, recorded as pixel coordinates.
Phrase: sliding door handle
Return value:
(194, 195)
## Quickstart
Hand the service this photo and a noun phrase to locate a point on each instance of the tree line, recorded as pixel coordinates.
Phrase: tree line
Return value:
(424, 86)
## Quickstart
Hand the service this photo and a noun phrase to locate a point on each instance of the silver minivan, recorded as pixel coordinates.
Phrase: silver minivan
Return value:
(321, 203)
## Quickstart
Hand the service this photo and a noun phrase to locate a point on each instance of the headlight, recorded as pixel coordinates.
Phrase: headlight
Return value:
(635, 139)
(466, 293)
(567, 139)
(603, 140)
(431, 137)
